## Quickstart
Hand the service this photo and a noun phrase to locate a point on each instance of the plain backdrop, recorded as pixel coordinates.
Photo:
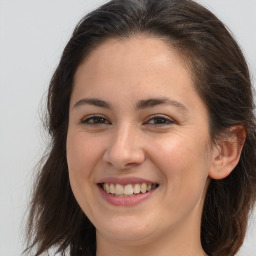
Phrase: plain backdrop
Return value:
(32, 37)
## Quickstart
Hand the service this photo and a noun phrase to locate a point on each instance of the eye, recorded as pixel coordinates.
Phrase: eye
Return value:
(95, 120)
(160, 120)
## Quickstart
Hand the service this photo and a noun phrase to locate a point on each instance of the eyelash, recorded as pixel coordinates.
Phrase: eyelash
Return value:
(98, 120)
(164, 120)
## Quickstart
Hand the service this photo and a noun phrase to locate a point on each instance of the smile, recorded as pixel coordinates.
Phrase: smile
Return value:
(127, 190)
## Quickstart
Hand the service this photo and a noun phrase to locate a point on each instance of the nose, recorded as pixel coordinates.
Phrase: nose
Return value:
(125, 149)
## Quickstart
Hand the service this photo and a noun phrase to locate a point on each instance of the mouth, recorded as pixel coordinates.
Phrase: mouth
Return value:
(128, 190)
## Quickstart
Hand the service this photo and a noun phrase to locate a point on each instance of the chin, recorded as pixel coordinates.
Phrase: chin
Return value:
(129, 232)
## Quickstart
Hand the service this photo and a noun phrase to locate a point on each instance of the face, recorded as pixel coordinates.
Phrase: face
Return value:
(138, 145)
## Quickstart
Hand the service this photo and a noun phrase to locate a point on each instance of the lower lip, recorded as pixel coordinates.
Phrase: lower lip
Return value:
(125, 201)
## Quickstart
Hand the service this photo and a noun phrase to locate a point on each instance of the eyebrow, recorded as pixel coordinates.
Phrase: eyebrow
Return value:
(160, 101)
(94, 102)
(142, 104)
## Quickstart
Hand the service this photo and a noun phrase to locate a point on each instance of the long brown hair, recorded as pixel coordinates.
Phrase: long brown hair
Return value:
(221, 79)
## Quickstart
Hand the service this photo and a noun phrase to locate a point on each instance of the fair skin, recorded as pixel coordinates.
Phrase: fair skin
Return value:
(135, 117)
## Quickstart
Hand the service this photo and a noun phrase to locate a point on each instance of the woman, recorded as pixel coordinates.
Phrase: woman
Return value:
(153, 137)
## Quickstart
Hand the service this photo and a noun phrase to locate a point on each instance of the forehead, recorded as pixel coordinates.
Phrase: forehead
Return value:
(140, 45)
(134, 56)
(136, 67)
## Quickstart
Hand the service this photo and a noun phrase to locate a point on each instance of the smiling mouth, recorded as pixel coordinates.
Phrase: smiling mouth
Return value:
(128, 190)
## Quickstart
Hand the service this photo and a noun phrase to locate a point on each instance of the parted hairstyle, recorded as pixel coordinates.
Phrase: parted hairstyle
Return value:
(222, 80)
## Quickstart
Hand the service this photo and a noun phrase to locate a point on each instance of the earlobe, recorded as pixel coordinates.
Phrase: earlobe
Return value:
(227, 153)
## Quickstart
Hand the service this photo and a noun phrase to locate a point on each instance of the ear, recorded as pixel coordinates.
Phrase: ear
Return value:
(226, 153)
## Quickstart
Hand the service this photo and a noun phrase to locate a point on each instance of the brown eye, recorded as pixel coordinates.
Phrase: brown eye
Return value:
(95, 120)
(160, 120)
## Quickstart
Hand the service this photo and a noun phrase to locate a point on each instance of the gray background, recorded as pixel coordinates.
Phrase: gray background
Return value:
(32, 37)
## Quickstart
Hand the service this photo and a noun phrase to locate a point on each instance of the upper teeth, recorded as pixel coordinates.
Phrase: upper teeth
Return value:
(128, 189)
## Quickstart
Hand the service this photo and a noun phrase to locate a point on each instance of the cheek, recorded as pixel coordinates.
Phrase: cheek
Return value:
(83, 154)
(185, 174)
(82, 157)
(184, 161)
(172, 153)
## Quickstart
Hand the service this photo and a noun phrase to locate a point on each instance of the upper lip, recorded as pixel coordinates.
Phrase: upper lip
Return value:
(125, 180)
